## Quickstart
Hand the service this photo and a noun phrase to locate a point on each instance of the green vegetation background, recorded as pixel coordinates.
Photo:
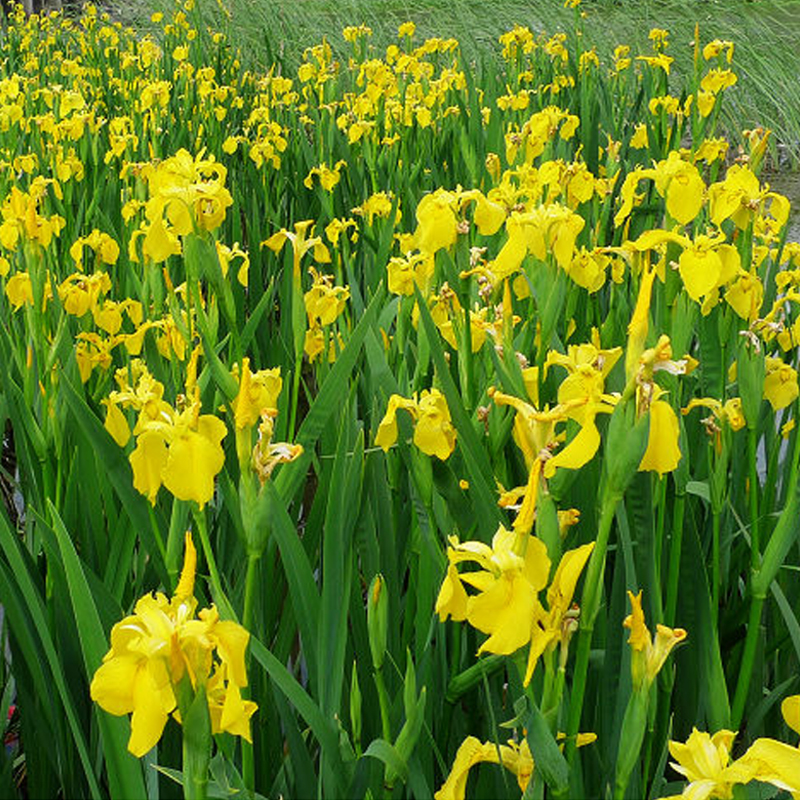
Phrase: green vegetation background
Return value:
(766, 33)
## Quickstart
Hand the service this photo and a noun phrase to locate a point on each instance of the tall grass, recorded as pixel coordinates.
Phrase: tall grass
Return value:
(765, 33)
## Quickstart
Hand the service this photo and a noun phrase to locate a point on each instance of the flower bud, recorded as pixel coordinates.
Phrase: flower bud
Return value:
(750, 376)
(377, 619)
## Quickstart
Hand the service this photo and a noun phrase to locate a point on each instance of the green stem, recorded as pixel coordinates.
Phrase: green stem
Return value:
(383, 700)
(249, 589)
(755, 545)
(248, 759)
(674, 559)
(783, 536)
(715, 571)
(202, 529)
(156, 532)
(748, 660)
(658, 545)
(591, 603)
(295, 393)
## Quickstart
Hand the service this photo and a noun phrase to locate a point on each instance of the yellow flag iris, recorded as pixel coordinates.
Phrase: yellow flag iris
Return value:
(160, 644)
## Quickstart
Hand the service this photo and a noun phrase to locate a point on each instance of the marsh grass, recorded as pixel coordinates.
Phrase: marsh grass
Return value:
(765, 33)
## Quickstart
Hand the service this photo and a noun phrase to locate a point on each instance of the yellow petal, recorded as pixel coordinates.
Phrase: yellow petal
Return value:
(471, 752)
(149, 716)
(640, 637)
(663, 453)
(236, 713)
(772, 762)
(434, 433)
(559, 595)
(159, 243)
(232, 639)
(192, 464)
(185, 587)
(541, 639)
(685, 194)
(665, 640)
(116, 424)
(387, 430)
(579, 451)
(148, 461)
(790, 708)
(781, 386)
(489, 216)
(639, 324)
(437, 228)
(700, 270)
(452, 598)
(512, 253)
(505, 611)
(112, 685)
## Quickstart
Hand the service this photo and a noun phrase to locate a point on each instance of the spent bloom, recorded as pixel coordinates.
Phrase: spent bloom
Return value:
(648, 654)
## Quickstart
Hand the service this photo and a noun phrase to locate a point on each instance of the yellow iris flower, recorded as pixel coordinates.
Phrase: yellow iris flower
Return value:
(514, 756)
(161, 644)
(780, 383)
(507, 606)
(704, 760)
(434, 433)
(181, 450)
(258, 391)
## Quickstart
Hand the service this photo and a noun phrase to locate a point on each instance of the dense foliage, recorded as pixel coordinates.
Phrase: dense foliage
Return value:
(310, 383)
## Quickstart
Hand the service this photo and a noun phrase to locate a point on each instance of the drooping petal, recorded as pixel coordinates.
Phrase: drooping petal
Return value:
(662, 453)
(116, 424)
(148, 461)
(541, 639)
(236, 713)
(231, 639)
(700, 270)
(769, 761)
(579, 451)
(149, 715)
(790, 708)
(472, 751)
(452, 598)
(505, 611)
(112, 685)
(192, 464)
(387, 430)
(537, 563)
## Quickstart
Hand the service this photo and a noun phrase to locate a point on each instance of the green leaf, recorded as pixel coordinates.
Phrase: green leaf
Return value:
(119, 474)
(323, 729)
(700, 489)
(386, 752)
(547, 756)
(344, 492)
(35, 606)
(328, 400)
(474, 453)
(302, 586)
(124, 771)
